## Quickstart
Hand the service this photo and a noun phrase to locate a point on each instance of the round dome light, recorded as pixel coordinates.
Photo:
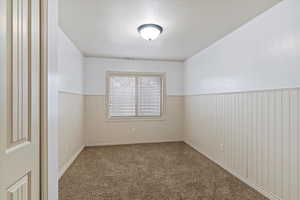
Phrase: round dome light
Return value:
(150, 31)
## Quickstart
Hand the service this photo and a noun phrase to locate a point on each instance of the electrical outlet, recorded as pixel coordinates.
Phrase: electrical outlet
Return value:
(132, 130)
(222, 147)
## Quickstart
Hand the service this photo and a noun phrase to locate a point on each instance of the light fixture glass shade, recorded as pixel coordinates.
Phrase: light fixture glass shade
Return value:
(150, 31)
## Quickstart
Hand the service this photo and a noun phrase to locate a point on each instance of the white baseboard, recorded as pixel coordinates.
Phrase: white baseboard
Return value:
(246, 181)
(70, 161)
(127, 143)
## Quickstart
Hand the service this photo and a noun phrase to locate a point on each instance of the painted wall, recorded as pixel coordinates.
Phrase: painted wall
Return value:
(255, 135)
(99, 131)
(70, 101)
(95, 69)
(52, 125)
(263, 54)
(70, 65)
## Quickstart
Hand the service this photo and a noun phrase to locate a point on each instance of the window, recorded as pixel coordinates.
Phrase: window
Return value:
(134, 95)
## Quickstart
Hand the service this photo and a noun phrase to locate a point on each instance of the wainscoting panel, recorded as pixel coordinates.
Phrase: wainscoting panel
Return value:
(71, 137)
(101, 131)
(254, 135)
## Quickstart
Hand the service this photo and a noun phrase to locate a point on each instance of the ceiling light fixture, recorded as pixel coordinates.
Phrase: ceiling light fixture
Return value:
(150, 31)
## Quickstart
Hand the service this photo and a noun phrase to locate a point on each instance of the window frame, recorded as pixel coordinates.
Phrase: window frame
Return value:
(162, 76)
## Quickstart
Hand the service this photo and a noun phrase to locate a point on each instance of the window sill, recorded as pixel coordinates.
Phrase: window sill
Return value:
(135, 119)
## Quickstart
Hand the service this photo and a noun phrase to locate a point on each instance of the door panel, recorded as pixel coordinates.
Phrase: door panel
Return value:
(19, 38)
(19, 100)
(20, 190)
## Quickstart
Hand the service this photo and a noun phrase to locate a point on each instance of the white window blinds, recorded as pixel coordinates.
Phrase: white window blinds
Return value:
(149, 95)
(134, 95)
(122, 97)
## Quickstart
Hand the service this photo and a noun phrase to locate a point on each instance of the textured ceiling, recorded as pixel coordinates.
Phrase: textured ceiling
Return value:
(107, 28)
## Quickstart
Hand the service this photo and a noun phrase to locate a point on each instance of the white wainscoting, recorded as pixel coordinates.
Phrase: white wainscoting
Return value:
(99, 131)
(254, 135)
(71, 137)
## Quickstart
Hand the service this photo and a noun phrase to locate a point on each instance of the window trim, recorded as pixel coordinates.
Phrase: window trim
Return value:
(162, 76)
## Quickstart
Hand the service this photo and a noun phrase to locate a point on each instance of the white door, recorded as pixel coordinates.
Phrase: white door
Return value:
(19, 99)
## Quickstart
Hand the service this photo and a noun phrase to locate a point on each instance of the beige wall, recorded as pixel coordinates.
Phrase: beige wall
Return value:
(70, 125)
(100, 131)
(255, 135)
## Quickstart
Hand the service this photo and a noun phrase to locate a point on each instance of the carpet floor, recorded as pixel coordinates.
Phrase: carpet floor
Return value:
(165, 171)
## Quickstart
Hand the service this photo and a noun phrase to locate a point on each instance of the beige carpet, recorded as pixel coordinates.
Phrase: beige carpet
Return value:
(166, 171)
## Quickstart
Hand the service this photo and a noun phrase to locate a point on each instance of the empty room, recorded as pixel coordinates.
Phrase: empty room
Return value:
(150, 100)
